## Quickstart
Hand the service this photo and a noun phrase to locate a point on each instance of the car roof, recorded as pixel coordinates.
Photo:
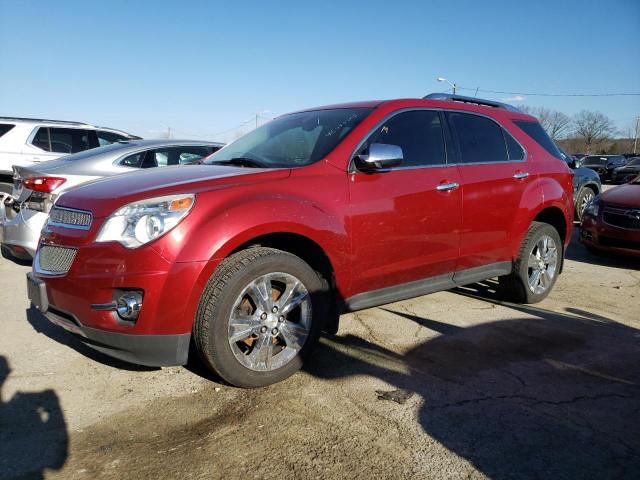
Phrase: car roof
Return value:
(167, 142)
(436, 100)
(60, 123)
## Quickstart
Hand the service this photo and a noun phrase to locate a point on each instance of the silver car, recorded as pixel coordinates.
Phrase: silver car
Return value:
(36, 187)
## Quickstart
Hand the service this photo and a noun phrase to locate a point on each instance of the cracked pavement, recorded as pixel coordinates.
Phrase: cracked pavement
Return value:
(498, 391)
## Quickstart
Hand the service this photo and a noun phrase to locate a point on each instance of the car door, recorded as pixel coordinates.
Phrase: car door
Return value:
(406, 221)
(494, 174)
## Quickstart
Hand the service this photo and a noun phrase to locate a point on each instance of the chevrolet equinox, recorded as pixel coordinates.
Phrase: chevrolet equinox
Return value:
(252, 254)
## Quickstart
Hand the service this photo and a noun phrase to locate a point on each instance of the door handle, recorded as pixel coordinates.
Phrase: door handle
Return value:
(520, 175)
(443, 187)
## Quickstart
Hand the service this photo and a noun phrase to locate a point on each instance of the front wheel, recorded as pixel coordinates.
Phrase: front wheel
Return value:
(585, 195)
(536, 269)
(258, 316)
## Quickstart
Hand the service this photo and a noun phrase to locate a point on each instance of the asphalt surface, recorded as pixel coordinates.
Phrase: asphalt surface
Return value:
(484, 390)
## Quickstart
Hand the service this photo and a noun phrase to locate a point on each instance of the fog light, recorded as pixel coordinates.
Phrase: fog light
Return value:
(128, 305)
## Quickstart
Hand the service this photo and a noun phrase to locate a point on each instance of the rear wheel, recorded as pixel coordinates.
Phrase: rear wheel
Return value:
(259, 315)
(536, 269)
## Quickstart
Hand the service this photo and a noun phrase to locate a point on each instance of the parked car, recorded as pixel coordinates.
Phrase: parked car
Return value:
(25, 141)
(316, 213)
(586, 184)
(628, 172)
(611, 223)
(604, 165)
(37, 187)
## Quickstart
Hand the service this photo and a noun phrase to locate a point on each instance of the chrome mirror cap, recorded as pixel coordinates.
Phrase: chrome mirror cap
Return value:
(381, 156)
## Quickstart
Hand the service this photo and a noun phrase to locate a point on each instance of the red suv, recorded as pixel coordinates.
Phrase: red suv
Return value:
(250, 255)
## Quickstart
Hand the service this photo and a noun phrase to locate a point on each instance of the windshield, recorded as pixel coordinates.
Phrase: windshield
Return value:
(292, 140)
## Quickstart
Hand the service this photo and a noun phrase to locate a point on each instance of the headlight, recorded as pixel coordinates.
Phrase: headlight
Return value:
(594, 207)
(140, 222)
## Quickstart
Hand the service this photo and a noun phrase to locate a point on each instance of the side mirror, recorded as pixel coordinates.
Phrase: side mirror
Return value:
(381, 156)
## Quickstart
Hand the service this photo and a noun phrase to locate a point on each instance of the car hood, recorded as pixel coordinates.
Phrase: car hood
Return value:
(627, 195)
(105, 195)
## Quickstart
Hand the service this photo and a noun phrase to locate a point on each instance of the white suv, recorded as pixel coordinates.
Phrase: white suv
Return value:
(24, 141)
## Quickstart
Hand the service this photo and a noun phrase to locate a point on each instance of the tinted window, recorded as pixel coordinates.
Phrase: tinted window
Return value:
(68, 140)
(106, 138)
(514, 149)
(634, 161)
(164, 157)
(41, 139)
(594, 160)
(537, 133)
(5, 127)
(418, 133)
(294, 140)
(479, 138)
(133, 160)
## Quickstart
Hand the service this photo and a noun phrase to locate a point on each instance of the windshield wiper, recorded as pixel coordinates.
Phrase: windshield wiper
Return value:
(241, 162)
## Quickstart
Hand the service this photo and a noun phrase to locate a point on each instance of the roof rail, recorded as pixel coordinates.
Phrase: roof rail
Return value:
(44, 120)
(474, 100)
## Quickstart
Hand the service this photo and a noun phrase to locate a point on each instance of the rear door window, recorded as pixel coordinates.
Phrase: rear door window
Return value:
(480, 139)
(61, 140)
(514, 149)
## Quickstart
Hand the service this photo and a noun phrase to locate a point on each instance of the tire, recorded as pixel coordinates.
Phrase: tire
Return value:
(585, 195)
(232, 304)
(516, 287)
(6, 187)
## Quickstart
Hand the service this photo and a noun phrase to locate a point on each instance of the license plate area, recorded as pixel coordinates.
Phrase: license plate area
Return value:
(37, 293)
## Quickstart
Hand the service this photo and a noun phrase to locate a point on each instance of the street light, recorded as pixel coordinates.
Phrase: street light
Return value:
(453, 85)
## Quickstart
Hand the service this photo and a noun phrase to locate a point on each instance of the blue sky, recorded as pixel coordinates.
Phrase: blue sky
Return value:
(205, 67)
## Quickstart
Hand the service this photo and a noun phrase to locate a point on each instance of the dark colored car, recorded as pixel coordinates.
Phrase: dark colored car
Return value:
(612, 221)
(604, 165)
(628, 172)
(586, 184)
(318, 212)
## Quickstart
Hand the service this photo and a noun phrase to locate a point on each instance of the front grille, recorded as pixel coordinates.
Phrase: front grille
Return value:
(55, 260)
(618, 243)
(622, 217)
(68, 217)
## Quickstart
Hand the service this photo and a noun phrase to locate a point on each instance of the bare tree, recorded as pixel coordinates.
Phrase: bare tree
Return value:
(557, 124)
(592, 127)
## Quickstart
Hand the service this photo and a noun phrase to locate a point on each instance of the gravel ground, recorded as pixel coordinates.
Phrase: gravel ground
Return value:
(495, 390)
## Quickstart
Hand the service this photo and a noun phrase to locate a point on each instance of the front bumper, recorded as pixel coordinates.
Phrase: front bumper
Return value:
(22, 229)
(602, 236)
(150, 350)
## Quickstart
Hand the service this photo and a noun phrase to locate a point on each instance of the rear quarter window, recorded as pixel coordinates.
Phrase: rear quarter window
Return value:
(535, 131)
(5, 127)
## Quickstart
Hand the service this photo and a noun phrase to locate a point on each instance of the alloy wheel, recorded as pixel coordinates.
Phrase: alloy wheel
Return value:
(542, 264)
(270, 321)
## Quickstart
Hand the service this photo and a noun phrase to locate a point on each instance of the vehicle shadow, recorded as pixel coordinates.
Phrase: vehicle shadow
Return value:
(41, 325)
(554, 396)
(4, 251)
(33, 432)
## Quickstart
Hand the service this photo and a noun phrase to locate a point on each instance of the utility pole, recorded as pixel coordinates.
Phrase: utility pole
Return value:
(256, 119)
(168, 133)
(635, 142)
